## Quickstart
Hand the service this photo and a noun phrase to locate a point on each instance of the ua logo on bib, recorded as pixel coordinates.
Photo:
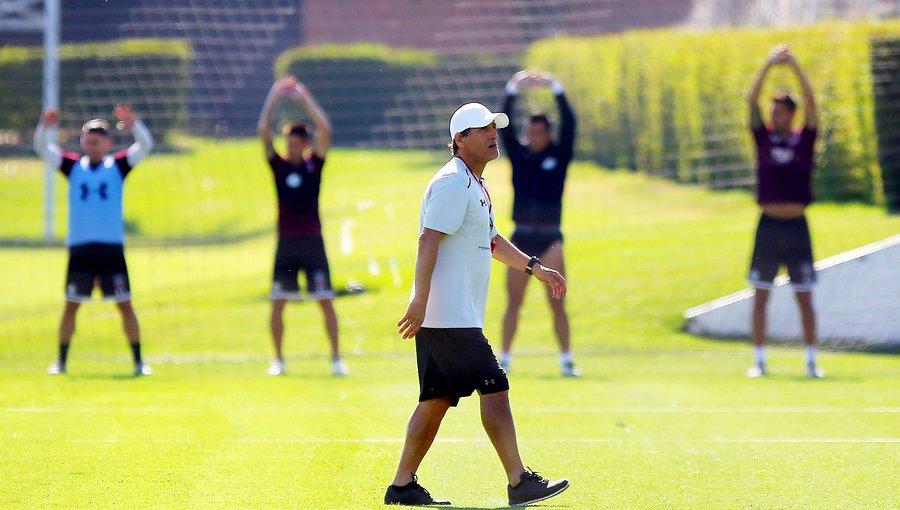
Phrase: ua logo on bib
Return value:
(86, 191)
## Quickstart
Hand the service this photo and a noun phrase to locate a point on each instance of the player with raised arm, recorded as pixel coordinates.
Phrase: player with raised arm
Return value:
(457, 239)
(785, 162)
(298, 178)
(539, 168)
(96, 231)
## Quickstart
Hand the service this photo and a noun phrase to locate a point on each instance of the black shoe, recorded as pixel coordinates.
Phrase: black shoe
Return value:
(534, 488)
(411, 494)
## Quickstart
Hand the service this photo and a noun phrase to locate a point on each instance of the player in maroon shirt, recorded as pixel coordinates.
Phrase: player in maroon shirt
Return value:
(785, 161)
(298, 178)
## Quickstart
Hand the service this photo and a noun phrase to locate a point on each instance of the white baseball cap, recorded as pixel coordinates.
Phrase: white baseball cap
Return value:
(475, 115)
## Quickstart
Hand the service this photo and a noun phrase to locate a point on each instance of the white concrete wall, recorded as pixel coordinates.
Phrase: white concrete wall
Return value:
(857, 303)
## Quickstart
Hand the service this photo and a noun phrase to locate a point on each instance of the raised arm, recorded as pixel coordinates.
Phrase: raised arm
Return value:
(507, 253)
(264, 126)
(143, 140)
(566, 116)
(510, 136)
(426, 258)
(809, 102)
(304, 97)
(777, 56)
(49, 152)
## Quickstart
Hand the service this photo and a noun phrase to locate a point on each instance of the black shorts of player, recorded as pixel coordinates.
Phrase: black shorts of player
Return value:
(454, 362)
(782, 242)
(97, 262)
(535, 240)
(294, 254)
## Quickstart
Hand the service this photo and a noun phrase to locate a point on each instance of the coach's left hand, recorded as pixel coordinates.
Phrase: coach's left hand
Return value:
(551, 278)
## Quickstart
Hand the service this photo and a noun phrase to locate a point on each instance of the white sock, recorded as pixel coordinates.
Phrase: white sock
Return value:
(504, 359)
(811, 354)
(759, 355)
(565, 358)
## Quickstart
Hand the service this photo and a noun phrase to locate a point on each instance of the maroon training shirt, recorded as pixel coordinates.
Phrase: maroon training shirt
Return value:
(298, 195)
(784, 165)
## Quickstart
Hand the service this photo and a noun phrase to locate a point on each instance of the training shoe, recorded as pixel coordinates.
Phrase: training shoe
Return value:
(141, 369)
(757, 370)
(411, 494)
(814, 371)
(276, 367)
(338, 368)
(533, 488)
(57, 368)
(568, 370)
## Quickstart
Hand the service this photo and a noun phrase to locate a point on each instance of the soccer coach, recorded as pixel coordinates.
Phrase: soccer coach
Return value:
(446, 311)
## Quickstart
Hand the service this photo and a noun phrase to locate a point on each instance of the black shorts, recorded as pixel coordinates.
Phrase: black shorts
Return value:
(97, 262)
(454, 362)
(294, 254)
(535, 240)
(782, 242)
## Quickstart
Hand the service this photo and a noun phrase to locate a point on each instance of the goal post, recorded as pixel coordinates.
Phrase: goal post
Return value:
(29, 16)
(50, 100)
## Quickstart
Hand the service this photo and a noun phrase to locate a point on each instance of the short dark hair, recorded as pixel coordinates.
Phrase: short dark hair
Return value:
(539, 118)
(297, 129)
(786, 99)
(454, 149)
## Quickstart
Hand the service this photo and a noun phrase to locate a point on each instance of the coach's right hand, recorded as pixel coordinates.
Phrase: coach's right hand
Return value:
(411, 322)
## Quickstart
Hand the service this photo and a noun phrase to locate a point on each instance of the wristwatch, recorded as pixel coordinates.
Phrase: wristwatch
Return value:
(534, 260)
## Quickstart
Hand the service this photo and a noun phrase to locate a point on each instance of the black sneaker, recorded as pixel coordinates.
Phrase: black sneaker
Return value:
(411, 494)
(534, 488)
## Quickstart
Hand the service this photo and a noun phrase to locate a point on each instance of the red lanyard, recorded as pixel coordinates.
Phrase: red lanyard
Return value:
(490, 207)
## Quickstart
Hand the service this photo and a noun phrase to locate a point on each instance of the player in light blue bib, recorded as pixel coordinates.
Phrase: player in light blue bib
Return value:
(96, 233)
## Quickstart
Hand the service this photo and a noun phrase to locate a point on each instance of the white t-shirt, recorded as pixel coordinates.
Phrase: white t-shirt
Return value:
(456, 204)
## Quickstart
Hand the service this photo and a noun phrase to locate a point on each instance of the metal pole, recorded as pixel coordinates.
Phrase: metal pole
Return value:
(51, 100)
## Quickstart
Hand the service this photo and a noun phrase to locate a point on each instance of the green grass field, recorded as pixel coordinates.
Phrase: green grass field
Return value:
(659, 420)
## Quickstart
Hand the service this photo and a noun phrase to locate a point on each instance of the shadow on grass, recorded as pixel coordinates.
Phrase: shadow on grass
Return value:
(825, 345)
(534, 376)
(533, 505)
(211, 239)
(310, 376)
(107, 377)
(803, 378)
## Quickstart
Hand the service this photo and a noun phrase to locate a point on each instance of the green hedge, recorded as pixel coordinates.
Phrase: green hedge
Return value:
(150, 74)
(672, 102)
(356, 84)
(368, 52)
(393, 97)
(886, 78)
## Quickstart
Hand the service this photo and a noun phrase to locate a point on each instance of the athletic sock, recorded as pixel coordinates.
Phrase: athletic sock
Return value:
(565, 358)
(504, 359)
(63, 353)
(759, 355)
(811, 354)
(136, 351)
